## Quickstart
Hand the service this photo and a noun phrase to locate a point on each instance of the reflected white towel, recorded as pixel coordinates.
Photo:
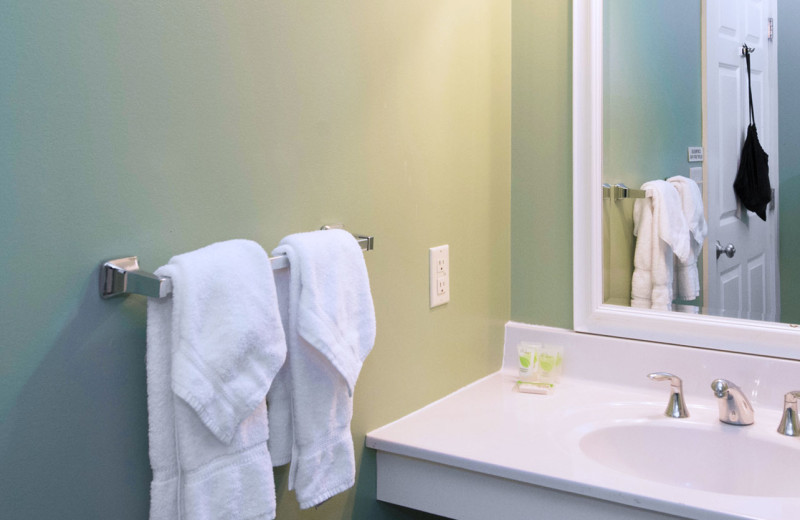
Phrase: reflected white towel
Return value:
(331, 329)
(213, 349)
(688, 309)
(687, 281)
(661, 230)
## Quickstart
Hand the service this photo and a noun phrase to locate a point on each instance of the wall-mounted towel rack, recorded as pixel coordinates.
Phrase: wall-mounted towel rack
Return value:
(620, 191)
(123, 276)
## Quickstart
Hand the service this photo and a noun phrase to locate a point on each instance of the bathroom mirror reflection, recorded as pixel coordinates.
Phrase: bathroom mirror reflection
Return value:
(674, 77)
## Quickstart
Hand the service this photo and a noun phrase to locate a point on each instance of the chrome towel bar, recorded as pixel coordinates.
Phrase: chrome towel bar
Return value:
(123, 275)
(620, 191)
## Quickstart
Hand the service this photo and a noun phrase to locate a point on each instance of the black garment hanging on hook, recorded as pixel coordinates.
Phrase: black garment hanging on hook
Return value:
(752, 185)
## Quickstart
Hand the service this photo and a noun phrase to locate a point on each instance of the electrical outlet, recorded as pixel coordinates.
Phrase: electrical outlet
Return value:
(439, 258)
(696, 174)
(441, 285)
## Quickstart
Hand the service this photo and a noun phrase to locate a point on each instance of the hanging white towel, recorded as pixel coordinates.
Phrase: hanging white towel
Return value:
(687, 281)
(331, 329)
(213, 349)
(661, 230)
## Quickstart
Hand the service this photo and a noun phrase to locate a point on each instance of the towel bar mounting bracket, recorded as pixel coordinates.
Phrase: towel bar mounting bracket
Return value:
(122, 275)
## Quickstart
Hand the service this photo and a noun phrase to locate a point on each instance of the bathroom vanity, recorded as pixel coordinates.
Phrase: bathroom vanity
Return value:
(600, 446)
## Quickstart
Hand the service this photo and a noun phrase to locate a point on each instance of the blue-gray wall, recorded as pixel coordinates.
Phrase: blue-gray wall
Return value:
(652, 92)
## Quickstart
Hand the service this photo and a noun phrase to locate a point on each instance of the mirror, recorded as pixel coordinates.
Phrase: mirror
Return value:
(593, 312)
(654, 90)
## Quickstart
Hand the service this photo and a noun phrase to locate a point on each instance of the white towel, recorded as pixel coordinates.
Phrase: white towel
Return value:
(331, 329)
(687, 309)
(661, 230)
(213, 349)
(687, 281)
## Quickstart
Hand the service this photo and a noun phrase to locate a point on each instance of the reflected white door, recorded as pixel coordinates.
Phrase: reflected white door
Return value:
(745, 285)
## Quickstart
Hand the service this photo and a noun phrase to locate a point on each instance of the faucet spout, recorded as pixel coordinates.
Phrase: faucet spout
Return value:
(734, 407)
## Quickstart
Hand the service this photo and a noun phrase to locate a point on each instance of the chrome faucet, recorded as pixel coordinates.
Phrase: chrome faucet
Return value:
(734, 407)
(676, 407)
(789, 422)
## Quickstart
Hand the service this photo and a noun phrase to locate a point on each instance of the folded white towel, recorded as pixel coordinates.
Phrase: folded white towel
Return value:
(213, 349)
(688, 309)
(687, 281)
(331, 329)
(661, 230)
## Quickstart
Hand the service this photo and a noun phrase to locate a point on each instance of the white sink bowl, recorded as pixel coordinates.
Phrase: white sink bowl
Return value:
(718, 458)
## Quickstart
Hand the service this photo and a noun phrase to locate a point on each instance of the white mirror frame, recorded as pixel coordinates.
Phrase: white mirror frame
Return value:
(591, 315)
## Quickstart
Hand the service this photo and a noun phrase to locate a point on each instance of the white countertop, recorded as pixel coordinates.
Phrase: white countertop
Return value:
(490, 428)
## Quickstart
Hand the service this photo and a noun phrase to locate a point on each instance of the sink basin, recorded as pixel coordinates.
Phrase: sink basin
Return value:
(721, 459)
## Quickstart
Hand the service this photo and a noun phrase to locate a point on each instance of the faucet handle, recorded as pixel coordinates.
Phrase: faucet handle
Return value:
(790, 425)
(664, 376)
(676, 407)
(791, 397)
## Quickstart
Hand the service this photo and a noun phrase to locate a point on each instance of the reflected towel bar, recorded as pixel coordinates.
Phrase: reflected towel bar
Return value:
(123, 276)
(620, 191)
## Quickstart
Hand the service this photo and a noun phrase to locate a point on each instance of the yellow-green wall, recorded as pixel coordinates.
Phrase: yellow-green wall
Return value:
(154, 128)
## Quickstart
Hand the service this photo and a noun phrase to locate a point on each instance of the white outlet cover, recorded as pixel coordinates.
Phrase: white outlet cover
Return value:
(696, 174)
(439, 275)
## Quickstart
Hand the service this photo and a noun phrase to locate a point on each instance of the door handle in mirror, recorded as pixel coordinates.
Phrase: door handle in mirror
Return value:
(729, 250)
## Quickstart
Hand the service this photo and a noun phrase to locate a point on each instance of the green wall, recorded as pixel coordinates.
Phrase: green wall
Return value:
(541, 181)
(155, 128)
(789, 153)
